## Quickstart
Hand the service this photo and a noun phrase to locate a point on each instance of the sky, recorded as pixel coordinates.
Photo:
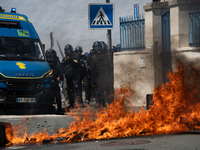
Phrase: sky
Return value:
(68, 20)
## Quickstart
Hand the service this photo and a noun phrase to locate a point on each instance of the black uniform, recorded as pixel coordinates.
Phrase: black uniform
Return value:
(54, 63)
(101, 72)
(81, 71)
(83, 77)
(71, 68)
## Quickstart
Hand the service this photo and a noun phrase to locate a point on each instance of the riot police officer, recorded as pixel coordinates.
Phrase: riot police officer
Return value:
(71, 68)
(93, 69)
(101, 73)
(84, 73)
(81, 71)
(54, 63)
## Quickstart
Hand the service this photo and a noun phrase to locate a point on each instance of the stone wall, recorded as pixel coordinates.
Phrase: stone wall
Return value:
(135, 68)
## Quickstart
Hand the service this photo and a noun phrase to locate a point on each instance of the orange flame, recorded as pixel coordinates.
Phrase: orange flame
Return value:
(176, 109)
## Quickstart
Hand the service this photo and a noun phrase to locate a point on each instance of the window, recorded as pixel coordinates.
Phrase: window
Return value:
(9, 24)
(20, 49)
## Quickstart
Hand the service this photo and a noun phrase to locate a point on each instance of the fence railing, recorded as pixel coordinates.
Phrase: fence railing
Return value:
(166, 43)
(132, 33)
(195, 27)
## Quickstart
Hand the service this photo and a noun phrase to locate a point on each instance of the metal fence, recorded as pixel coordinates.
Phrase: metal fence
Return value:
(166, 43)
(132, 33)
(195, 27)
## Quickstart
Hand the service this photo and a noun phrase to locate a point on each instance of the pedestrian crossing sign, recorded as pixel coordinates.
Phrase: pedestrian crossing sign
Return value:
(101, 16)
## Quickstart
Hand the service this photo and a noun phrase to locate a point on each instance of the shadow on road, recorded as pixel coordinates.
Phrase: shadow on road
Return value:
(20, 111)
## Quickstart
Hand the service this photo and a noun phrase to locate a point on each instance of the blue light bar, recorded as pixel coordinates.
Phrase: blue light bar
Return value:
(13, 10)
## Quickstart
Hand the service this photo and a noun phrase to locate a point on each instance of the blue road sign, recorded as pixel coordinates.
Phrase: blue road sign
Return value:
(101, 16)
(135, 8)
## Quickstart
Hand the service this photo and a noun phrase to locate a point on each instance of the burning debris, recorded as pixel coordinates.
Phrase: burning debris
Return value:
(175, 109)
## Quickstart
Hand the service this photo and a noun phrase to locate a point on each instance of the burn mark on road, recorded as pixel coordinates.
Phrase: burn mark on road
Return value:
(116, 143)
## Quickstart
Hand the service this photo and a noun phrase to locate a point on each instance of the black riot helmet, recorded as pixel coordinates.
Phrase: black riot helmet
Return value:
(97, 46)
(78, 49)
(118, 46)
(68, 50)
(51, 57)
(103, 44)
(50, 52)
(114, 49)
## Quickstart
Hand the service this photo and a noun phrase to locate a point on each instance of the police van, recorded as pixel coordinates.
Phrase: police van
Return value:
(24, 71)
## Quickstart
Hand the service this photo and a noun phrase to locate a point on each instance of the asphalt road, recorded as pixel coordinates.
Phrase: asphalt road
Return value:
(179, 141)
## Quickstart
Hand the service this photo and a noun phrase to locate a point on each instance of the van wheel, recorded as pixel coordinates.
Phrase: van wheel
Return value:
(8, 131)
(2, 135)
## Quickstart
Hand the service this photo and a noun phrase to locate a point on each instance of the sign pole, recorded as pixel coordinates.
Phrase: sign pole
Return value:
(109, 39)
(110, 60)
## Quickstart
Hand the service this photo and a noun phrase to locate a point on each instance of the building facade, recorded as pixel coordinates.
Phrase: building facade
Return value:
(168, 37)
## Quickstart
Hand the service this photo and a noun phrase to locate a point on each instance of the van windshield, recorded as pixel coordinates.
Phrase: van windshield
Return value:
(20, 49)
